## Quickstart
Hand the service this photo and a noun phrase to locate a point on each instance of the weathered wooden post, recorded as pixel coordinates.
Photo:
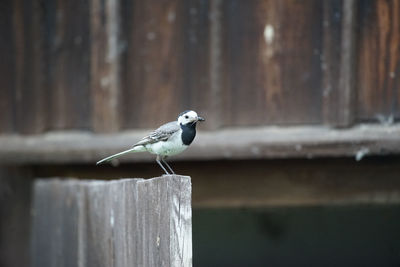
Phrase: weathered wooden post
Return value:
(129, 222)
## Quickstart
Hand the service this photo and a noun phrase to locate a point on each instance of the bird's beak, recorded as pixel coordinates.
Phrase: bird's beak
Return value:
(200, 118)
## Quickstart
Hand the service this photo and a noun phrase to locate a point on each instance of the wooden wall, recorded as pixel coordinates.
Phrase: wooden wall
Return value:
(111, 65)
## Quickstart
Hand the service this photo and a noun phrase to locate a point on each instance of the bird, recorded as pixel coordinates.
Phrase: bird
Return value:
(169, 139)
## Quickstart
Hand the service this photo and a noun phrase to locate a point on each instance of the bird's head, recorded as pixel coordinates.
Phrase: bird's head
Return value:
(189, 117)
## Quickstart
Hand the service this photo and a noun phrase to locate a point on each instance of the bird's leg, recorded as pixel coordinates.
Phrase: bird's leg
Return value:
(159, 163)
(169, 167)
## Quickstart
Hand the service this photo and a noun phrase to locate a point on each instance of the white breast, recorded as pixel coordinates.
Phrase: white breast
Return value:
(171, 147)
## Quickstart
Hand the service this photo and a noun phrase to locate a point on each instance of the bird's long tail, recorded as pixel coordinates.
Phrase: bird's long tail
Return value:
(131, 150)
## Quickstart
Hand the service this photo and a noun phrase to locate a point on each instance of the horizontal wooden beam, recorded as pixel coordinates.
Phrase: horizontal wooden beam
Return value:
(234, 143)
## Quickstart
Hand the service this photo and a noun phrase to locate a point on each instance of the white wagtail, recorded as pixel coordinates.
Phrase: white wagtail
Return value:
(169, 139)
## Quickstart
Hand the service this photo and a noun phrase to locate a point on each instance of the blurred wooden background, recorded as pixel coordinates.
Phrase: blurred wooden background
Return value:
(111, 65)
(295, 94)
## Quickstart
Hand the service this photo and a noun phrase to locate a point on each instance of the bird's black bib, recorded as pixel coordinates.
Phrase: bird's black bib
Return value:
(188, 133)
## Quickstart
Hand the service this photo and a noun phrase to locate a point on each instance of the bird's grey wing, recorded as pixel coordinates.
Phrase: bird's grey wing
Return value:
(161, 134)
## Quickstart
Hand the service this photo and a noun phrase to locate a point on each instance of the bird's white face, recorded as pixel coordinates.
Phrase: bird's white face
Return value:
(189, 117)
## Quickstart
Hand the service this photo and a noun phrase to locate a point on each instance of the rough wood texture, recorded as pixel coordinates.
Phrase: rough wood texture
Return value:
(152, 73)
(68, 32)
(346, 99)
(250, 143)
(130, 222)
(379, 60)
(159, 76)
(106, 50)
(338, 64)
(330, 64)
(30, 91)
(272, 62)
(109, 65)
(7, 69)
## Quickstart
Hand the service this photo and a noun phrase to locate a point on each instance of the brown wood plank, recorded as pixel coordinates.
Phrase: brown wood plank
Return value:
(339, 92)
(7, 68)
(197, 92)
(106, 48)
(346, 99)
(165, 70)
(67, 26)
(130, 222)
(379, 60)
(30, 89)
(153, 67)
(333, 28)
(216, 97)
(272, 62)
(339, 59)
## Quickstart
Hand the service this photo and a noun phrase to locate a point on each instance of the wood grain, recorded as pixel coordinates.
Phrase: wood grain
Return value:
(333, 33)
(153, 79)
(130, 222)
(106, 49)
(166, 66)
(198, 92)
(379, 61)
(272, 59)
(346, 100)
(67, 30)
(30, 90)
(339, 63)
(112, 65)
(7, 69)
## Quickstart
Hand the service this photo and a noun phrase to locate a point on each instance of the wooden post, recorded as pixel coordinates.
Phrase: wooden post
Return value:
(129, 222)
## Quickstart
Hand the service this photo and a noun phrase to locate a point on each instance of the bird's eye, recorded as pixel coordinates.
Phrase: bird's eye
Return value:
(186, 117)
